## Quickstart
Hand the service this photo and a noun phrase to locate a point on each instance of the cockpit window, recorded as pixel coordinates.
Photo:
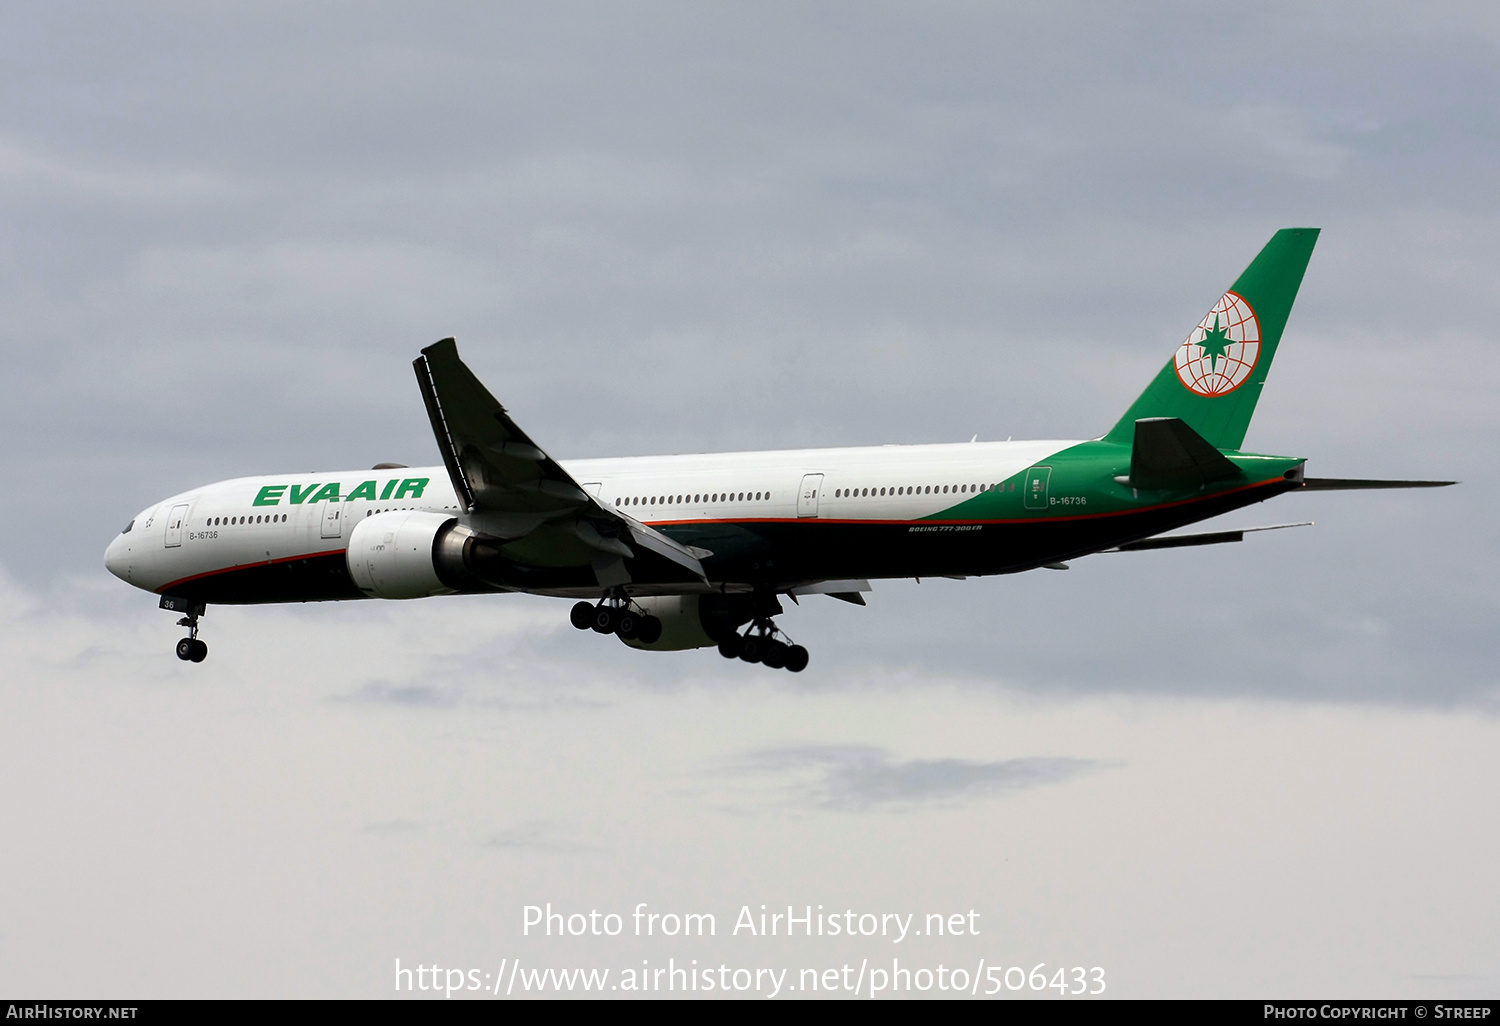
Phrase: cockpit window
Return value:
(128, 527)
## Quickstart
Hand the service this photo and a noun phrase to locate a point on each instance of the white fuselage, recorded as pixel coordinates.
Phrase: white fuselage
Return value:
(253, 521)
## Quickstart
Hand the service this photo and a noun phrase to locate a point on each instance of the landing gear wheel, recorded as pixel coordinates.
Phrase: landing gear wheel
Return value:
(628, 624)
(774, 655)
(752, 648)
(189, 649)
(582, 615)
(604, 620)
(729, 648)
(649, 631)
(796, 659)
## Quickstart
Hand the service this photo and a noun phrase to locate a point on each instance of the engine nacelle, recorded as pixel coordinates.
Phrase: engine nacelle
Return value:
(681, 626)
(698, 621)
(398, 555)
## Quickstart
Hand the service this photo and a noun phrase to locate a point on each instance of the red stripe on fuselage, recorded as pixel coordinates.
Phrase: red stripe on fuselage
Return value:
(241, 566)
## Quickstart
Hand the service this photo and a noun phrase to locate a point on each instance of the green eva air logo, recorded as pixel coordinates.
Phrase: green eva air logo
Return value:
(395, 489)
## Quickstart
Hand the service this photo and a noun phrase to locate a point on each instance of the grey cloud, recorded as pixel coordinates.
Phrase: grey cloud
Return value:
(538, 836)
(665, 227)
(412, 695)
(393, 827)
(861, 777)
(660, 228)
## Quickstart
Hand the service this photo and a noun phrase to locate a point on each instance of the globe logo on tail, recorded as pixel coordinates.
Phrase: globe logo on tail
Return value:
(1219, 354)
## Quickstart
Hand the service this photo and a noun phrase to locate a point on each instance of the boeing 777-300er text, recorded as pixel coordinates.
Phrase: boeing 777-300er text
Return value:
(679, 552)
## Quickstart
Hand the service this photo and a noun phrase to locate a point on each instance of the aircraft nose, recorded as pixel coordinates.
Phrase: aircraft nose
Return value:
(117, 558)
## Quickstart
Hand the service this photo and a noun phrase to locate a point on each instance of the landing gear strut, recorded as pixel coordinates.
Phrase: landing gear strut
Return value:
(760, 644)
(190, 648)
(615, 616)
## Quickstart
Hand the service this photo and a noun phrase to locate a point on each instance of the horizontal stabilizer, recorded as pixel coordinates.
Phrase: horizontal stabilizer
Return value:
(1211, 538)
(1169, 454)
(1352, 483)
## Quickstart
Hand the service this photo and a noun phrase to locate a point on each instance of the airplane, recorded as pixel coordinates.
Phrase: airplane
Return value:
(697, 551)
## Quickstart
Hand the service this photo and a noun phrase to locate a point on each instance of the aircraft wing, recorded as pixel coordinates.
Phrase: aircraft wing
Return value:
(503, 477)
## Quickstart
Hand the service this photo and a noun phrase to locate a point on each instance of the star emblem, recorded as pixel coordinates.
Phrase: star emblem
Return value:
(1215, 344)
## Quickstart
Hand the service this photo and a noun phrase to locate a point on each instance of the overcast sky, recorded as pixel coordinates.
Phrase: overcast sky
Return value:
(225, 232)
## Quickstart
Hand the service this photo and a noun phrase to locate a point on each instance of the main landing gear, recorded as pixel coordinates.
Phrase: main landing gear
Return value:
(759, 644)
(189, 649)
(614, 616)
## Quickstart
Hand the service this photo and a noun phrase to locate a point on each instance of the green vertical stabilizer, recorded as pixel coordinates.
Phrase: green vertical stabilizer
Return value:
(1214, 378)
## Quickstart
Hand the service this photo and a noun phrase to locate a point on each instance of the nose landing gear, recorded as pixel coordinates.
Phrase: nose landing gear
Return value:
(760, 644)
(190, 648)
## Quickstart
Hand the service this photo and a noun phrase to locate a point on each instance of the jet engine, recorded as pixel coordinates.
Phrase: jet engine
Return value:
(407, 554)
(694, 621)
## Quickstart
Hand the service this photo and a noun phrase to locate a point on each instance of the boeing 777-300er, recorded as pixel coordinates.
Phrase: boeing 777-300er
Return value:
(679, 552)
